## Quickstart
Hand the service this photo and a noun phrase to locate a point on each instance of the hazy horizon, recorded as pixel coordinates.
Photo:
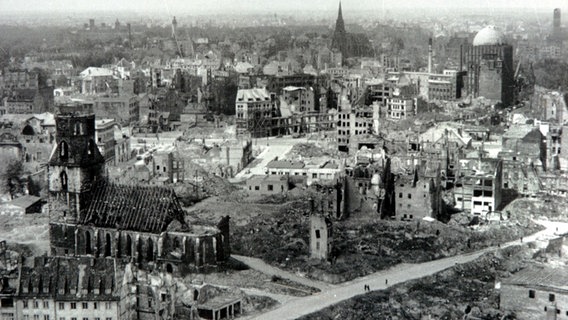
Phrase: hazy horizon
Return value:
(179, 7)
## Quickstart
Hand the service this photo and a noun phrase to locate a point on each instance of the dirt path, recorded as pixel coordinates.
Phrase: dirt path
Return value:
(265, 268)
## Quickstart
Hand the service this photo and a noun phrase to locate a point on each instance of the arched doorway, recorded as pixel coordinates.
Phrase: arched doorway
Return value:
(169, 268)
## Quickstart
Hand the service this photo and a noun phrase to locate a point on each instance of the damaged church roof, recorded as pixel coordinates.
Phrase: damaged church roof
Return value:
(139, 208)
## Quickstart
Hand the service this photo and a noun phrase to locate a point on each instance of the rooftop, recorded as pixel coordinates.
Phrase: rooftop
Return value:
(285, 164)
(488, 36)
(540, 276)
(25, 201)
(255, 94)
(146, 209)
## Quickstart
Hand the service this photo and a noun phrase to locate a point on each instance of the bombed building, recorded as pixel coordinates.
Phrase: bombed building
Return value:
(91, 216)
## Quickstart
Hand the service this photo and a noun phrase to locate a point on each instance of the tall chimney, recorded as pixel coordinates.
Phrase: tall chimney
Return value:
(129, 35)
(430, 56)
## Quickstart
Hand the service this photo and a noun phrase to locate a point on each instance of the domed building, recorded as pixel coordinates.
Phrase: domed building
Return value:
(489, 66)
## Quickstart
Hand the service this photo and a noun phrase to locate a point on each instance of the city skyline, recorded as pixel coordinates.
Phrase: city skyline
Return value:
(173, 7)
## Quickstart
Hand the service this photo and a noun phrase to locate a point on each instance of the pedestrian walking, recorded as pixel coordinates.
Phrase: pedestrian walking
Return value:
(387, 282)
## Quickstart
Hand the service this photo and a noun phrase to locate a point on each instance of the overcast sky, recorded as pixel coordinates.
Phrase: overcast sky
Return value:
(170, 7)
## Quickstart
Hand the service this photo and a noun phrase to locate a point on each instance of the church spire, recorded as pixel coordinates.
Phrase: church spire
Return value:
(339, 24)
(339, 40)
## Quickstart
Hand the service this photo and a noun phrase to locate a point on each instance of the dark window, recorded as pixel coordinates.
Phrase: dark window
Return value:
(91, 148)
(88, 248)
(150, 251)
(551, 297)
(64, 182)
(532, 294)
(400, 195)
(107, 246)
(409, 196)
(270, 187)
(128, 246)
(63, 151)
(318, 234)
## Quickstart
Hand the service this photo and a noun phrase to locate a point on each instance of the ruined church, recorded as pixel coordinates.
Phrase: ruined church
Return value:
(90, 216)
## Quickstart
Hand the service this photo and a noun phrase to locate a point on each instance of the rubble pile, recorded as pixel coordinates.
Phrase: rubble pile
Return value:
(549, 207)
(275, 237)
(446, 295)
(282, 239)
(310, 150)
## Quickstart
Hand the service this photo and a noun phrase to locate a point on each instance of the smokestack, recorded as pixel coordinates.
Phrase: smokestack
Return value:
(430, 56)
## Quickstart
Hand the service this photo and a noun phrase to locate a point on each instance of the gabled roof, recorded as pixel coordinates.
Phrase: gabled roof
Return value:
(139, 208)
(70, 278)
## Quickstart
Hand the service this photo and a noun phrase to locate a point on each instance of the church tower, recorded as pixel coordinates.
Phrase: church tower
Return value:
(339, 40)
(74, 165)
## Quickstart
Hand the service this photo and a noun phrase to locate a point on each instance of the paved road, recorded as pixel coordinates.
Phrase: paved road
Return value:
(302, 306)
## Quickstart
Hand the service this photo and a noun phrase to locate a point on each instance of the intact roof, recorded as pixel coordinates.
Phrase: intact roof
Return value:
(268, 177)
(25, 201)
(96, 72)
(285, 164)
(518, 132)
(541, 277)
(139, 208)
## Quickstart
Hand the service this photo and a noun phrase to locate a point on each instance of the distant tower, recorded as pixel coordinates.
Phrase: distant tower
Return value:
(174, 27)
(556, 19)
(430, 55)
(339, 40)
(75, 163)
(92, 24)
